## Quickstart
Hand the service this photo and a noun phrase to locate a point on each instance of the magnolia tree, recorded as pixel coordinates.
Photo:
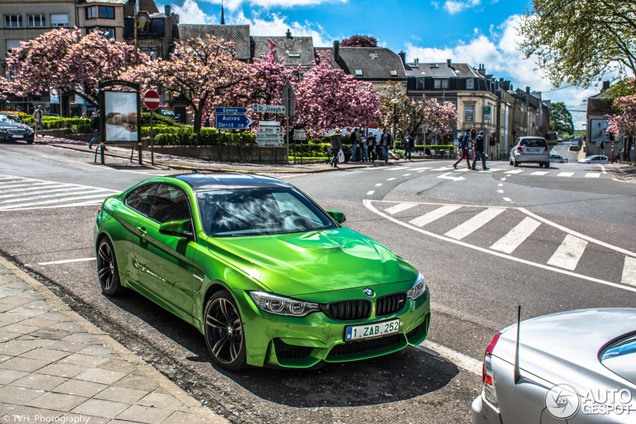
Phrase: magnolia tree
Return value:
(624, 124)
(67, 61)
(327, 98)
(204, 72)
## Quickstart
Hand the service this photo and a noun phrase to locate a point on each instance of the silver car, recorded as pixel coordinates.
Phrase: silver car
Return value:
(530, 150)
(576, 367)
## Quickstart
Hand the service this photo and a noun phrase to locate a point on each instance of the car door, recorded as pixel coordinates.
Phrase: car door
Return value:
(167, 262)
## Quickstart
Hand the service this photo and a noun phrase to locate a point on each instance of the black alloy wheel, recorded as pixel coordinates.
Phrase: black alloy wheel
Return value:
(107, 270)
(224, 336)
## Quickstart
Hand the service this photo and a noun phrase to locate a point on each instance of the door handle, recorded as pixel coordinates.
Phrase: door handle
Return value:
(142, 230)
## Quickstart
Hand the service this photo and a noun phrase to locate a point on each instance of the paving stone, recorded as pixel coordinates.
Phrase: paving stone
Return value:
(28, 414)
(18, 347)
(19, 395)
(12, 318)
(101, 408)
(55, 316)
(145, 414)
(5, 357)
(24, 364)
(50, 334)
(39, 381)
(62, 370)
(14, 301)
(179, 417)
(117, 365)
(80, 388)
(158, 400)
(57, 402)
(82, 338)
(32, 309)
(53, 355)
(137, 381)
(5, 337)
(66, 346)
(84, 360)
(68, 326)
(121, 394)
(99, 350)
(97, 375)
(19, 328)
(38, 322)
(8, 376)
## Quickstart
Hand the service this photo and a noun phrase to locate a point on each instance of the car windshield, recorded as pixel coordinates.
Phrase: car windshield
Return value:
(532, 142)
(5, 119)
(259, 211)
(10, 118)
(620, 357)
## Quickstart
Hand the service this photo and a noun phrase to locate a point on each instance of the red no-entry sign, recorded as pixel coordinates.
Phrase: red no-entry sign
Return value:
(151, 99)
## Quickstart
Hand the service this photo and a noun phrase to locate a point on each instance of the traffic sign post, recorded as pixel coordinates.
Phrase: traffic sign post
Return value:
(152, 101)
(289, 100)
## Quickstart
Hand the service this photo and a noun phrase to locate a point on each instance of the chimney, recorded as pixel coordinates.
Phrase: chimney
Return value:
(527, 90)
(606, 85)
(336, 50)
(448, 62)
(403, 56)
(168, 10)
(288, 33)
(416, 60)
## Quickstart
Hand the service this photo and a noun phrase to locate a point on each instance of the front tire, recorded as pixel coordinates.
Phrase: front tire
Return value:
(224, 336)
(107, 270)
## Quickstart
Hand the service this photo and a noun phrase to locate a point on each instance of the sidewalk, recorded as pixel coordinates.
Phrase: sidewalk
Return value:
(55, 366)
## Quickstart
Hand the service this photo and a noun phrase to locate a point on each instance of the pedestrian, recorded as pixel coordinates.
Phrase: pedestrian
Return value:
(464, 146)
(83, 115)
(336, 146)
(354, 144)
(409, 145)
(37, 117)
(95, 125)
(362, 141)
(371, 147)
(385, 141)
(479, 152)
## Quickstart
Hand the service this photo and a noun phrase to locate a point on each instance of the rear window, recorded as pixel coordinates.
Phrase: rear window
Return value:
(620, 357)
(533, 142)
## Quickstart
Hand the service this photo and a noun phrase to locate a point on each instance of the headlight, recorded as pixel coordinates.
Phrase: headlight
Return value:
(282, 305)
(418, 288)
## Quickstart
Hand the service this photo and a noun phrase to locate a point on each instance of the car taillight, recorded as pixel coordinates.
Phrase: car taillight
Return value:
(487, 375)
(99, 210)
(547, 150)
(519, 149)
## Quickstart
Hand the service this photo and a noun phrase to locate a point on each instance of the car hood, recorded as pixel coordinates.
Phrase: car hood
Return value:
(14, 125)
(317, 261)
(564, 348)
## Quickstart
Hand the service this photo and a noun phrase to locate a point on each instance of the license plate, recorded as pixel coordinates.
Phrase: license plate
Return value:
(533, 150)
(372, 330)
(17, 136)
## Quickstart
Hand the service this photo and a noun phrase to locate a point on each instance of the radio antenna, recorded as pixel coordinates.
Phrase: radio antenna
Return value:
(517, 373)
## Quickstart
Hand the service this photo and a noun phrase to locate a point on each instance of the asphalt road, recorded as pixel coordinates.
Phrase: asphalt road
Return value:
(550, 241)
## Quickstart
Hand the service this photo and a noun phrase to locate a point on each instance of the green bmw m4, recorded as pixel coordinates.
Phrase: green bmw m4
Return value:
(268, 276)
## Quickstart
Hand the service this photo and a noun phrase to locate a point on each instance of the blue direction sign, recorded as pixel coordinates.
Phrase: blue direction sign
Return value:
(232, 121)
(230, 110)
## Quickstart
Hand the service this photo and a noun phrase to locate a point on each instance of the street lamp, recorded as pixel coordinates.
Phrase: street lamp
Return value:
(394, 101)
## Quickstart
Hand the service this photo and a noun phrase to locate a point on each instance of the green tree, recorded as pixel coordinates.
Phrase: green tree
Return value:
(578, 41)
(561, 118)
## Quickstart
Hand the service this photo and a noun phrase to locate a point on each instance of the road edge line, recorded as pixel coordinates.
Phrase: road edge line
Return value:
(462, 361)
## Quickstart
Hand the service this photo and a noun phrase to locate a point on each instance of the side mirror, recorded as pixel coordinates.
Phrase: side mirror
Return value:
(177, 229)
(338, 216)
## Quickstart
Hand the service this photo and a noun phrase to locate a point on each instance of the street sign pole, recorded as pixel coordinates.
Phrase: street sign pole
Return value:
(241, 141)
(152, 143)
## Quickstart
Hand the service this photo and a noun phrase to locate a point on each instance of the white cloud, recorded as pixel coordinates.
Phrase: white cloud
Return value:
(190, 13)
(233, 5)
(454, 7)
(277, 25)
(435, 4)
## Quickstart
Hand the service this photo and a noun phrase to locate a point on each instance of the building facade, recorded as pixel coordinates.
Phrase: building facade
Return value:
(106, 16)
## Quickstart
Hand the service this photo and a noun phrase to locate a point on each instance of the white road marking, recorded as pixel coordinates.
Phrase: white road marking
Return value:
(569, 253)
(474, 223)
(368, 204)
(494, 170)
(406, 175)
(448, 176)
(37, 191)
(463, 170)
(500, 185)
(516, 236)
(540, 172)
(444, 168)
(629, 271)
(8, 208)
(515, 171)
(400, 207)
(503, 179)
(18, 187)
(391, 179)
(438, 213)
(507, 199)
(378, 184)
(64, 205)
(71, 196)
(422, 169)
(500, 191)
(565, 174)
(369, 193)
(459, 359)
(67, 261)
(394, 169)
(603, 169)
(593, 175)
(38, 188)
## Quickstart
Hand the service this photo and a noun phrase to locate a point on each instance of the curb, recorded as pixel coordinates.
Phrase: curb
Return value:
(122, 351)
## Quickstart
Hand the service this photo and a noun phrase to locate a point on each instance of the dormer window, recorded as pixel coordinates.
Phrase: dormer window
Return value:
(358, 72)
(433, 65)
(470, 84)
(294, 55)
(394, 72)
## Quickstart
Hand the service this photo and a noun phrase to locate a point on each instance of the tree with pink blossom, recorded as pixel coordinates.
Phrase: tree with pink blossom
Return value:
(202, 71)
(67, 61)
(624, 122)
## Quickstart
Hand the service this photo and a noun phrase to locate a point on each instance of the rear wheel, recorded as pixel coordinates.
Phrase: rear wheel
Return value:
(547, 165)
(107, 270)
(224, 336)
(516, 163)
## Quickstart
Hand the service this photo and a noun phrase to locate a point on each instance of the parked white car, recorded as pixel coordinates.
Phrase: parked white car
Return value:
(595, 159)
(557, 158)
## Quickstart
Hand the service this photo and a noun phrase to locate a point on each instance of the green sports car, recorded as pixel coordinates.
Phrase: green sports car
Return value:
(268, 276)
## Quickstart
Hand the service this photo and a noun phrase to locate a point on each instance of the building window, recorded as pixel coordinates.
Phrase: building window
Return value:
(441, 84)
(13, 21)
(153, 52)
(13, 44)
(59, 20)
(469, 113)
(107, 32)
(358, 72)
(433, 65)
(90, 12)
(106, 12)
(470, 84)
(37, 21)
(394, 72)
(297, 55)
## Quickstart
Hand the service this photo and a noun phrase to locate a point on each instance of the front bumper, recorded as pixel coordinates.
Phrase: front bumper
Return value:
(483, 413)
(292, 342)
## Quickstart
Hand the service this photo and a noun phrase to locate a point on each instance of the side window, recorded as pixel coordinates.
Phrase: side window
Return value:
(170, 204)
(141, 198)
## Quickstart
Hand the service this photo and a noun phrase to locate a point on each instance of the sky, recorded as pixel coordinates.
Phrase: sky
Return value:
(466, 31)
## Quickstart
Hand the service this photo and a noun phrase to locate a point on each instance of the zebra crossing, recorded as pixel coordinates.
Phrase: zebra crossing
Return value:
(503, 171)
(516, 234)
(21, 193)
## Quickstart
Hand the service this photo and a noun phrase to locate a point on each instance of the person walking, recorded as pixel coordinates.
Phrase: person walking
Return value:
(464, 146)
(37, 117)
(336, 146)
(371, 147)
(354, 144)
(385, 142)
(362, 141)
(479, 152)
(409, 145)
(95, 125)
